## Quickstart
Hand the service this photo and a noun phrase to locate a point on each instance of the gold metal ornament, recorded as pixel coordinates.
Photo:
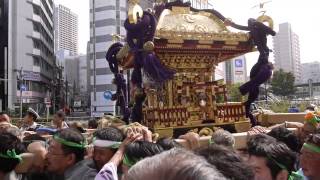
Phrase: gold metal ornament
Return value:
(265, 18)
(135, 11)
(148, 46)
(134, 1)
(206, 132)
(123, 52)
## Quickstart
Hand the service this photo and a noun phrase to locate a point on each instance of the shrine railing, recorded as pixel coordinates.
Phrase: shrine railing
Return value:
(165, 117)
(230, 112)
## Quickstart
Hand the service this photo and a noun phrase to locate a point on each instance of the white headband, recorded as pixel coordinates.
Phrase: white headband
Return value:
(106, 143)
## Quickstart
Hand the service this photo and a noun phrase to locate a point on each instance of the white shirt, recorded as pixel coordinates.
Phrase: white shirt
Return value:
(33, 127)
(108, 172)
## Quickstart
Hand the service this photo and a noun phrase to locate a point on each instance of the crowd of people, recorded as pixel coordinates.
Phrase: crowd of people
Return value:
(63, 151)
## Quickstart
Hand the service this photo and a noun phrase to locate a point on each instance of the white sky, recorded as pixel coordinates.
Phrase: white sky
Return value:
(303, 15)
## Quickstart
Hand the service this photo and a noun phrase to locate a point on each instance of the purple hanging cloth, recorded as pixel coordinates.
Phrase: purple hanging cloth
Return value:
(121, 93)
(137, 35)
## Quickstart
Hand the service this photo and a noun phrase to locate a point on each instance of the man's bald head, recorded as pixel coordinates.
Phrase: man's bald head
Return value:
(4, 117)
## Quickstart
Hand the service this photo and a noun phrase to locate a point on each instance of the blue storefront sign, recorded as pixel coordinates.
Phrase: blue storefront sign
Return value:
(238, 63)
(23, 87)
(107, 95)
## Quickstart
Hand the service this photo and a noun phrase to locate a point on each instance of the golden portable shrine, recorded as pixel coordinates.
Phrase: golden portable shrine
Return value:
(190, 42)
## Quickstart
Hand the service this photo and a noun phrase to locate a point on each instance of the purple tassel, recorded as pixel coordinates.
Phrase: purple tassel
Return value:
(111, 57)
(155, 70)
(121, 94)
(142, 32)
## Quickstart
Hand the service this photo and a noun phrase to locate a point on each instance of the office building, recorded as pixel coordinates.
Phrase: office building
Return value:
(287, 51)
(65, 30)
(311, 71)
(27, 52)
(106, 18)
(3, 53)
(236, 70)
(77, 79)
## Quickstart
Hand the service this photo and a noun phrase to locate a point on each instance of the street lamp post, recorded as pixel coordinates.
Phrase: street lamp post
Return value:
(66, 100)
(94, 55)
(54, 96)
(310, 82)
(20, 85)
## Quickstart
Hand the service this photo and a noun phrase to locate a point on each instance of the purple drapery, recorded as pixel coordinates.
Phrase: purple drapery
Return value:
(121, 93)
(137, 35)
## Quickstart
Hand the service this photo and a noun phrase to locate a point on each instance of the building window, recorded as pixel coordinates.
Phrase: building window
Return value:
(36, 10)
(36, 61)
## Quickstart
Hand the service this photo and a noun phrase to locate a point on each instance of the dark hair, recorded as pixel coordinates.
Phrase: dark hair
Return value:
(72, 136)
(173, 165)
(79, 129)
(258, 139)
(286, 136)
(77, 126)
(168, 143)
(32, 138)
(314, 139)
(9, 142)
(61, 114)
(310, 108)
(93, 124)
(111, 134)
(227, 161)
(34, 117)
(276, 154)
(223, 137)
(142, 149)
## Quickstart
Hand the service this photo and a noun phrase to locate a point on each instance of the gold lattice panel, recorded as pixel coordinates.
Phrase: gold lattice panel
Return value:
(188, 63)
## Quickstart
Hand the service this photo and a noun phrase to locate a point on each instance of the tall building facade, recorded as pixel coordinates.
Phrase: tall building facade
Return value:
(219, 73)
(236, 70)
(3, 53)
(311, 71)
(287, 51)
(77, 69)
(77, 79)
(106, 18)
(28, 53)
(83, 74)
(65, 30)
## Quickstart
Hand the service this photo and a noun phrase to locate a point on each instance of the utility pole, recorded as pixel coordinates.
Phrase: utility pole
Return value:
(20, 85)
(54, 88)
(94, 55)
(310, 84)
(66, 104)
